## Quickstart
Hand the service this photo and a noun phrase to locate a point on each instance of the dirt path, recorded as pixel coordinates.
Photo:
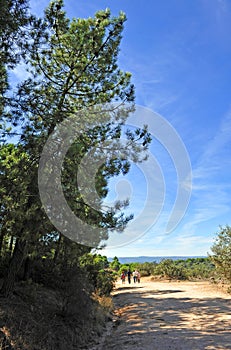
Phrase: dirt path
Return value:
(169, 315)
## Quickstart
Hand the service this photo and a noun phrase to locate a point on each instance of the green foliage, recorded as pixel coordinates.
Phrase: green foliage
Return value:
(123, 268)
(14, 18)
(66, 60)
(191, 268)
(96, 269)
(71, 65)
(146, 268)
(221, 250)
(14, 25)
(105, 282)
(168, 268)
(115, 264)
(17, 202)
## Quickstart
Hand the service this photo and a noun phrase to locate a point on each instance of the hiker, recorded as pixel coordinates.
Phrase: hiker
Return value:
(129, 273)
(123, 276)
(134, 274)
(138, 277)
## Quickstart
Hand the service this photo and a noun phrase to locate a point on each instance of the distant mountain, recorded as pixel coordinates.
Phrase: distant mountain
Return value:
(157, 259)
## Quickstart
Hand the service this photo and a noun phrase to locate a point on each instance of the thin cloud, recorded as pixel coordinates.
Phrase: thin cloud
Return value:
(221, 139)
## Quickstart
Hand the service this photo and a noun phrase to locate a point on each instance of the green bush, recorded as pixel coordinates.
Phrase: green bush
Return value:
(115, 264)
(105, 282)
(124, 268)
(192, 268)
(168, 268)
(221, 250)
(100, 276)
(144, 273)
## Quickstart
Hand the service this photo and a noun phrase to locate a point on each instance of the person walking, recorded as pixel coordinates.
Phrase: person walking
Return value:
(138, 276)
(123, 276)
(129, 273)
(134, 274)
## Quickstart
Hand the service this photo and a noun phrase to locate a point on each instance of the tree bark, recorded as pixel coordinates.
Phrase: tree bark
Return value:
(27, 268)
(14, 266)
(11, 244)
(1, 242)
(57, 250)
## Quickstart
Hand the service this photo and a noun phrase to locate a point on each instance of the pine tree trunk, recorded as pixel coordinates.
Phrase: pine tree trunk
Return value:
(57, 250)
(14, 266)
(11, 244)
(27, 268)
(1, 242)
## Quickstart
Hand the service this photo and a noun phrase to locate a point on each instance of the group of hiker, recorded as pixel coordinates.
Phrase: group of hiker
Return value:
(135, 275)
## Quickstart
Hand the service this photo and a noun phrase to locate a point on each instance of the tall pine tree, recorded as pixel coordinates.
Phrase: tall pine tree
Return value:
(71, 66)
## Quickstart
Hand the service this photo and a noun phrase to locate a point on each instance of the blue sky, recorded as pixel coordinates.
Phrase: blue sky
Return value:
(179, 54)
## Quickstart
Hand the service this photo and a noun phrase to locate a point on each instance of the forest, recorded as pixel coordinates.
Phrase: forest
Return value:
(55, 289)
(52, 286)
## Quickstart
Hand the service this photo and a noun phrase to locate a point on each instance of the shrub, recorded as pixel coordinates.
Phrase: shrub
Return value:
(105, 282)
(222, 253)
(185, 269)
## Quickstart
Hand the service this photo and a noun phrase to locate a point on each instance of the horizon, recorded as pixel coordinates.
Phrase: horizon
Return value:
(160, 256)
(151, 259)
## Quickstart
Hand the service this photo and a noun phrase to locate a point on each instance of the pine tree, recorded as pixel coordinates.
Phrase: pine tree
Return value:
(72, 67)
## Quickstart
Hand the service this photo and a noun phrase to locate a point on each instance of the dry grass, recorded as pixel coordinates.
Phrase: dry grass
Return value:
(105, 302)
(32, 320)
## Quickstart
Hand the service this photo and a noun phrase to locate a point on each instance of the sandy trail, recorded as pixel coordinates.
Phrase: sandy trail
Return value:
(169, 315)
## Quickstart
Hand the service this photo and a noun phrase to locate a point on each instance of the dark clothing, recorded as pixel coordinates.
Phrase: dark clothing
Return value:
(129, 276)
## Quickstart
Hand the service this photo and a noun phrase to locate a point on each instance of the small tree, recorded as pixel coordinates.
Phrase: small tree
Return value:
(221, 249)
(115, 264)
